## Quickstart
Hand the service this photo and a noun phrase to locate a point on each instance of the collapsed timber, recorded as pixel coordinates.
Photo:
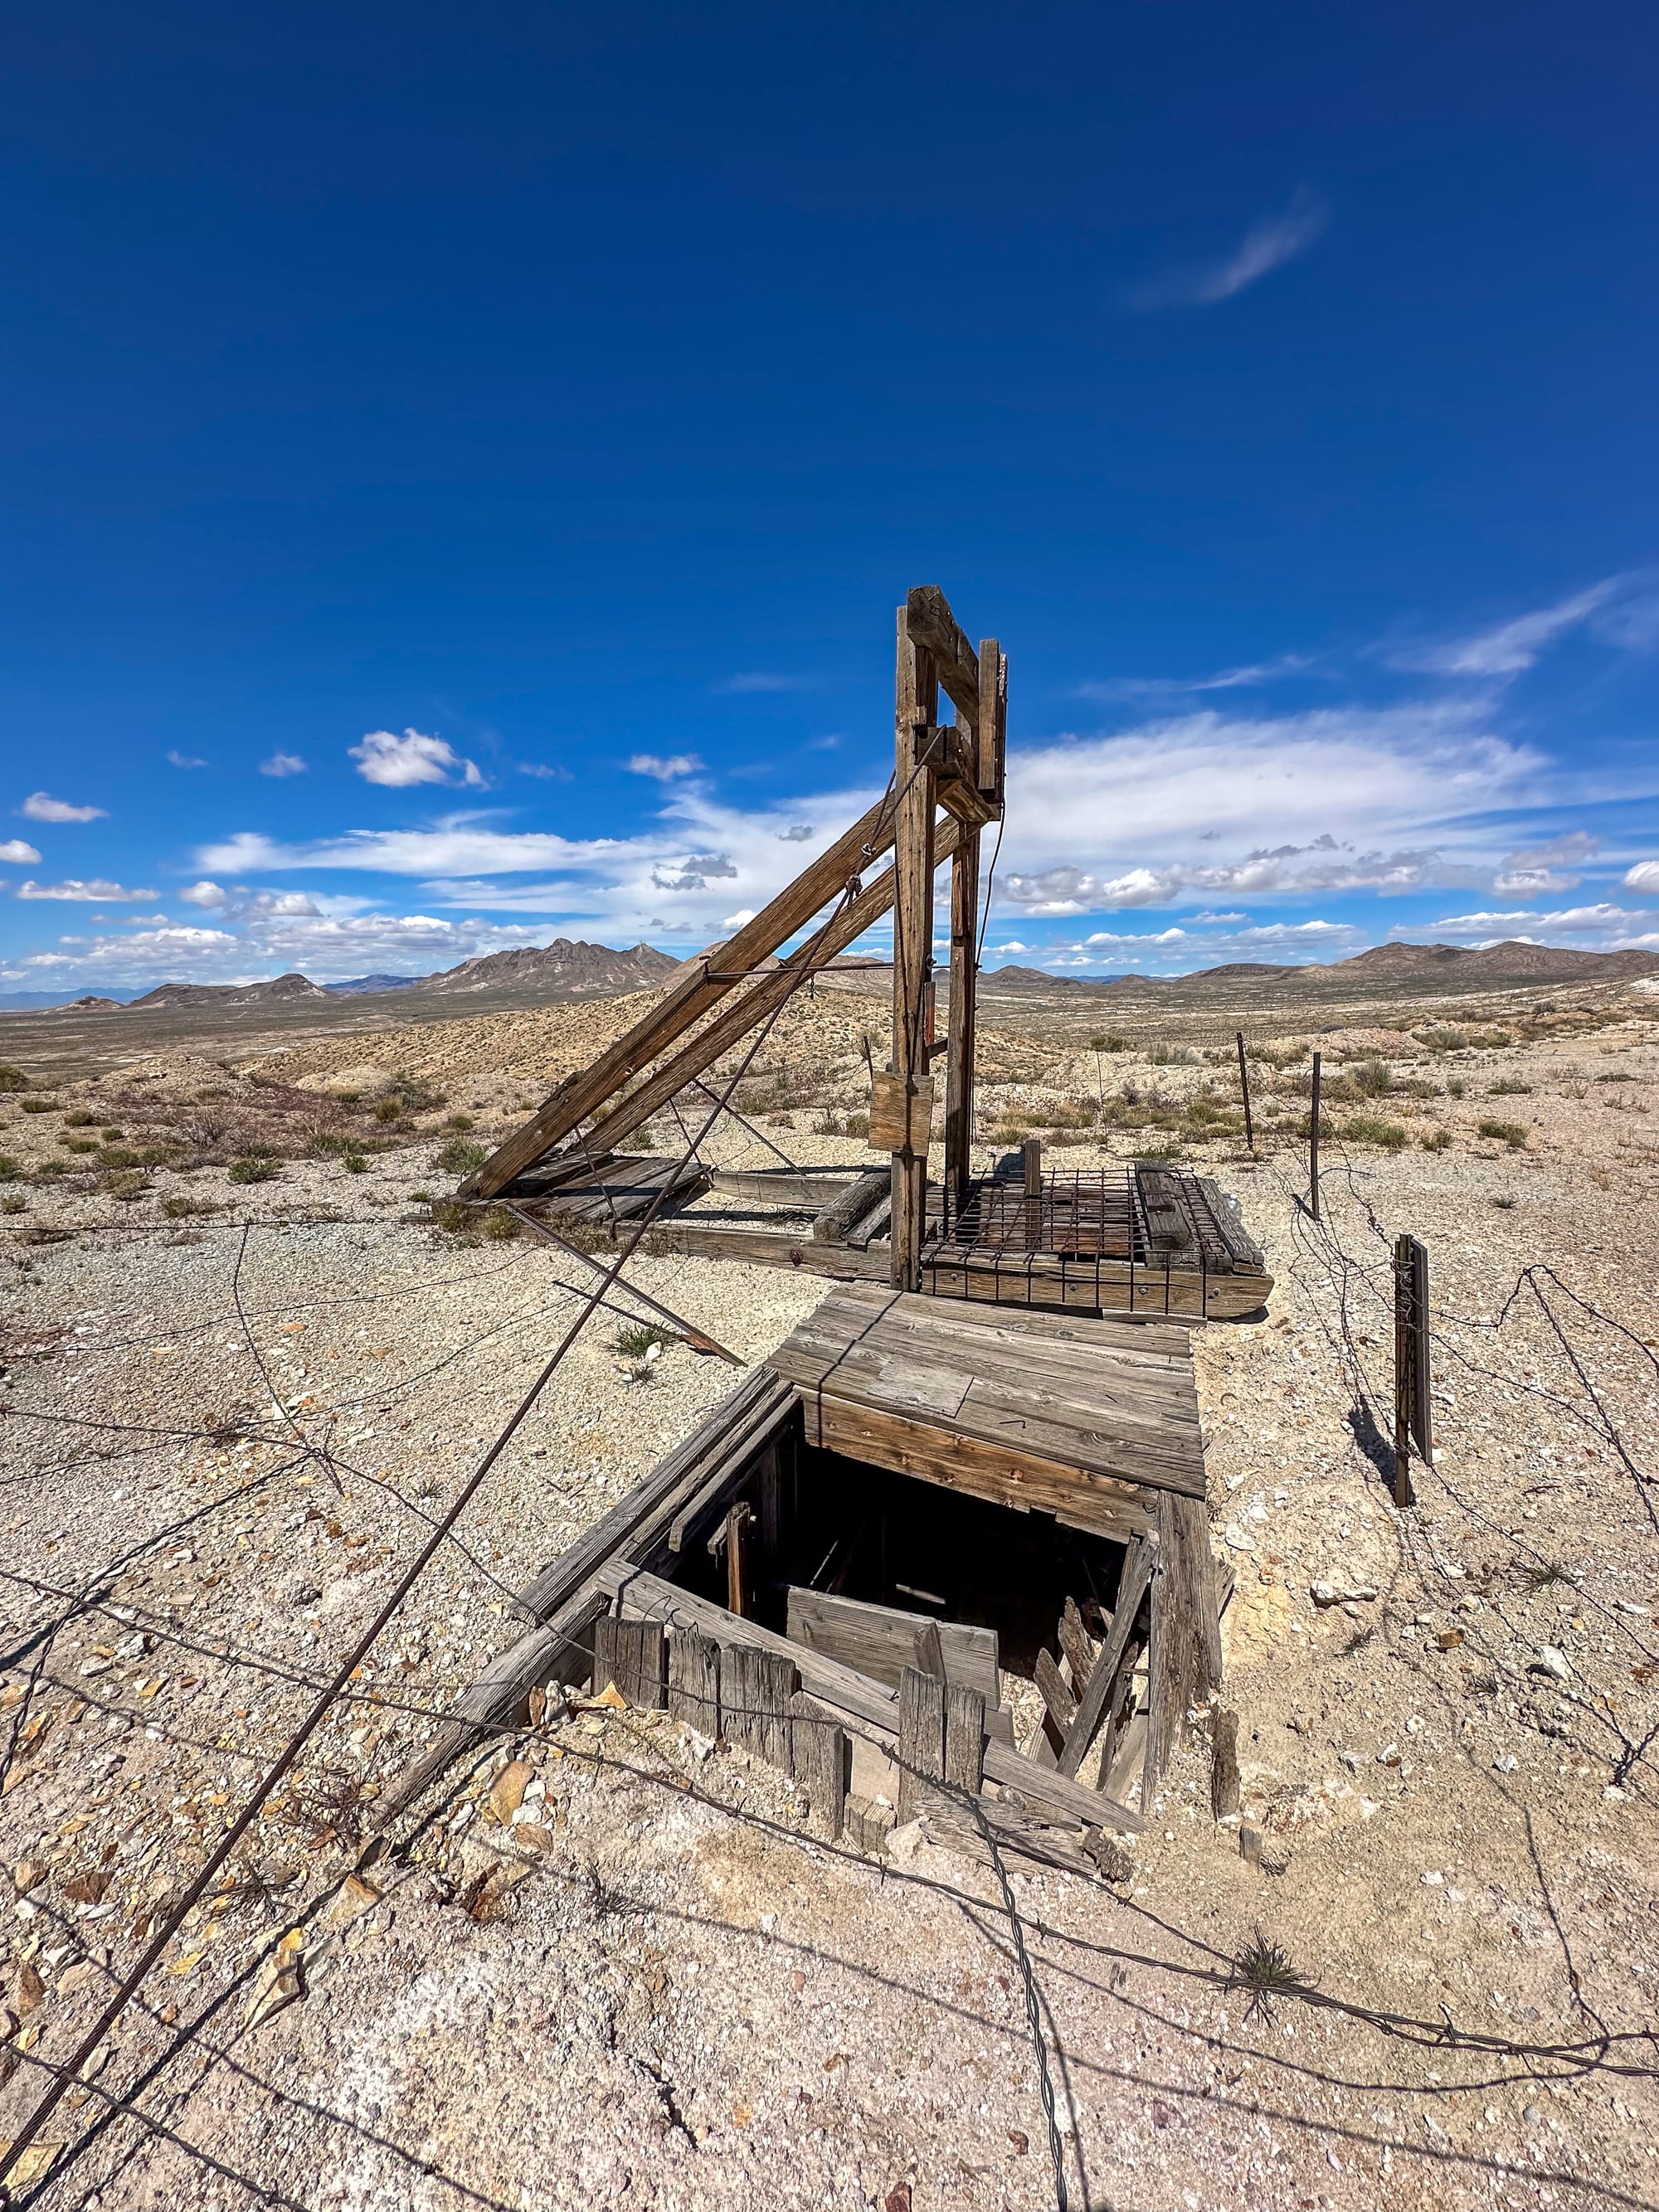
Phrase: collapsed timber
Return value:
(840, 1568)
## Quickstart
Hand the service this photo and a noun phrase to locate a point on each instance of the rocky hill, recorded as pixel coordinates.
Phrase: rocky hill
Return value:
(563, 970)
(276, 990)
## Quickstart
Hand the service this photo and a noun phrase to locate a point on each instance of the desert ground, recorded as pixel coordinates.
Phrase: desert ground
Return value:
(251, 1352)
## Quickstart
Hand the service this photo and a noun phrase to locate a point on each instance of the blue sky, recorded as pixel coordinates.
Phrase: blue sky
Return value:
(460, 467)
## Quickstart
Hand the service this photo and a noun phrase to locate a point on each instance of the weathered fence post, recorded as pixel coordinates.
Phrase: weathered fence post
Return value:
(1244, 1086)
(1412, 1421)
(1312, 1147)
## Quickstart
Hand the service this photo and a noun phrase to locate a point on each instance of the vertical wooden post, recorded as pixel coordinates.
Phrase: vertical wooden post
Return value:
(964, 930)
(1412, 1415)
(737, 1558)
(1244, 1086)
(1312, 1147)
(920, 1739)
(1033, 1151)
(964, 986)
(915, 705)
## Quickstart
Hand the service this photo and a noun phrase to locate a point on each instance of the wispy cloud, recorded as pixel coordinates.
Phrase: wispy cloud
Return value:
(41, 806)
(383, 757)
(760, 679)
(1267, 244)
(667, 768)
(97, 892)
(1227, 679)
(1622, 611)
(282, 764)
(185, 760)
(541, 769)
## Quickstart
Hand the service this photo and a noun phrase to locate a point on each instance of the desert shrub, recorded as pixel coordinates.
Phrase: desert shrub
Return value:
(450, 1216)
(459, 1122)
(1109, 1044)
(12, 1079)
(499, 1226)
(354, 1164)
(80, 1118)
(127, 1185)
(858, 1125)
(50, 1170)
(389, 1109)
(116, 1156)
(1455, 1088)
(79, 1143)
(1437, 1140)
(9, 1168)
(156, 1156)
(13, 1202)
(1373, 1079)
(1504, 1205)
(254, 1167)
(1506, 1132)
(1435, 1039)
(180, 1209)
(1372, 1129)
(1615, 1078)
(1509, 1089)
(459, 1157)
(39, 1105)
(635, 1339)
(111, 1135)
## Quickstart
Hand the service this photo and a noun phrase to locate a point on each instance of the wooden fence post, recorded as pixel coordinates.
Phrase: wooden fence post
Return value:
(1244, 1086)
(1313, 1145)
(1033, 1151)
(916, 706)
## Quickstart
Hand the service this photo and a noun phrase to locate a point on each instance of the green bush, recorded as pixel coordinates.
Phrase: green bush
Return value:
(1372, 1129)
(459, 1157)
(389, 1109)
(255, 1167)
(39, 1105)
(1509, 1089)
(354, 1164)
(459, 1122)
(1109, 1044)
(635, 1338)
(80, 1118)
(1373, 1079)
(12, 1079)
(79, 1143)
(499, 1226)
(13, 1202)
(450, 1215)
(117, 1156)
(9, 1168)
(1506, 1132)
(1437, 1140)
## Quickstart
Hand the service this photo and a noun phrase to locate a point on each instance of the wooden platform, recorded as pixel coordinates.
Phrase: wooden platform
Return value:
(1085, 1419)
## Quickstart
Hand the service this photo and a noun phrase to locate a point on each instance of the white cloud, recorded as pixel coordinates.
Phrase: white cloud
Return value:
(98, 892)
(281, 764)
(1598, 921)
(1643, 877)
(17, 854)
(540, 769)
(206, 894)
(1267, 245)
(41, 806)
(1321, 801)
(185, 760)
(1136, 937)
(736, 921)
(383, 757)
(1227, 679)
(666, 770)
(1622, 611)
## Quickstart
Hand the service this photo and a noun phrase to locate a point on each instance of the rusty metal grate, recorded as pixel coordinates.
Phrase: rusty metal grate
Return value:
(1091, 1213)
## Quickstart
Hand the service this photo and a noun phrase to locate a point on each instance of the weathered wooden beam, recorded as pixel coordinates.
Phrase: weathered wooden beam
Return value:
(921, 1738)
(804, 1189)
(717, 1037)
(1133, 1582)
(871, 1704)
(965, 993)
(934, 628)
(693, 1680)
(703, 982)
(820, 1760)
(1056, 1696)
(850, 1205)
(992, 727)
(1184, 1657)
(915, 698)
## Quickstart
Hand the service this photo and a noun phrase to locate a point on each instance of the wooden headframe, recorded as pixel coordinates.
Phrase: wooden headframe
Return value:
(958, 766)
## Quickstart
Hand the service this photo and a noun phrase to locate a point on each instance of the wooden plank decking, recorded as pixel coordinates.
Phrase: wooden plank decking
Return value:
(1085, 1419)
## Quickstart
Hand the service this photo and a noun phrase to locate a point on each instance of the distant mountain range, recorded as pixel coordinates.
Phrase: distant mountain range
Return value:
(1493, 967)
(563, 970)
(567, 970)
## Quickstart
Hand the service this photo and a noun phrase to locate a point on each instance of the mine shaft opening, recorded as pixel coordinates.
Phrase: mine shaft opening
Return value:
(815, 1522)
